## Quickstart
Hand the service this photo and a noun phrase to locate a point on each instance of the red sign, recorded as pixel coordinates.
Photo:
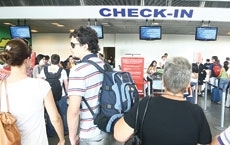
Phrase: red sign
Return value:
(135, 66)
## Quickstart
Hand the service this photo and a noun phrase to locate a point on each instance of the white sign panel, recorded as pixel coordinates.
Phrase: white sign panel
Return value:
(117, 12)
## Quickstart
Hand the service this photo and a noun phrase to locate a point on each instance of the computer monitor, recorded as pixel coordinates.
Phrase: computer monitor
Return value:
(150, 32)
(20, 32)
(206, 33)
(99, 30)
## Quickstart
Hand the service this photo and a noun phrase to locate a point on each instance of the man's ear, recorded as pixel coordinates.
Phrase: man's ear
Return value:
(85, 46)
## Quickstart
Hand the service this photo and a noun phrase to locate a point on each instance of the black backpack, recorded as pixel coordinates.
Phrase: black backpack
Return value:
(53, 79)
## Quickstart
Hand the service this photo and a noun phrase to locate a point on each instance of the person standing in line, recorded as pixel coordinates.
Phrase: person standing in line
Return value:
(162, 61)
(212, 78)
(72, 61)
(85, 81)
(223, 79)
(150, 72)
(39, 64)
(62, 103)
(223, 138)
(28, 96)
(47, 60)
(201, 74)
(169, 119)
(207, 64)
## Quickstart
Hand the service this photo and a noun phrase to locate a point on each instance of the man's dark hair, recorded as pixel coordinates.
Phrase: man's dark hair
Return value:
(38, 58)
(47, 57)
(215, 58)
(55, 59)
(86, 35)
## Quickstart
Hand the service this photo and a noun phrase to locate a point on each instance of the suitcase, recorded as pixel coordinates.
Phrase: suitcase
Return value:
(215, 95)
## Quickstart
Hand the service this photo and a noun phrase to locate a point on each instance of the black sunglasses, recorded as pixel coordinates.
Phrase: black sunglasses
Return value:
(74, 44)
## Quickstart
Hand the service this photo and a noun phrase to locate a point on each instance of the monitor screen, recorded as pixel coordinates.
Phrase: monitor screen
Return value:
(206, 33)
(20, 32)
(150, 32)
(99, 30)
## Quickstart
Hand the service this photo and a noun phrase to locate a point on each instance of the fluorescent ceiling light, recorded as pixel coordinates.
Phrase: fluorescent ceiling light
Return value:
(8, 24)
(34, 31)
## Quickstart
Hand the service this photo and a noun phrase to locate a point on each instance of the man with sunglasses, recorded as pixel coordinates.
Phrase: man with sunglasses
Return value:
(85, 81)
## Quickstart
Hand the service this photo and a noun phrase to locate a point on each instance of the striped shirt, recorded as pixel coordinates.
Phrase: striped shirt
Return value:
(85, 80)
(224, 137)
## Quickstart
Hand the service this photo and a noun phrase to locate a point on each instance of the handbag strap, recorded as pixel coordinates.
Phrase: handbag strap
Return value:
(7, 100)
(137, 113)
(143, 118)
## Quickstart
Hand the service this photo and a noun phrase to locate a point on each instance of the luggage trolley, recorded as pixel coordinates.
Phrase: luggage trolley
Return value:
(157, 83)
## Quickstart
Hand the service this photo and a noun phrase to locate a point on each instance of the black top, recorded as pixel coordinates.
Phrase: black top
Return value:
(171, 122)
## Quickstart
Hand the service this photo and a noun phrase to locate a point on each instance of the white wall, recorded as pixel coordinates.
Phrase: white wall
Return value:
(174, 45)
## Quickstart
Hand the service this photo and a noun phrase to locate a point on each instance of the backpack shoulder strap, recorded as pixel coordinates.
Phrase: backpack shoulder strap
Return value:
(87, 104)
(52, 75)
(96, 65)
(59, 71)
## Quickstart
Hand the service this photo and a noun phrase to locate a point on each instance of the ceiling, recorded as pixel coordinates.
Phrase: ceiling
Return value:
(128, 26)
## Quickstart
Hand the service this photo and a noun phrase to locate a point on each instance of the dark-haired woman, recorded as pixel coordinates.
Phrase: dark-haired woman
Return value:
(150, 71)
(223, 79)
(28, 96)
(39, 63)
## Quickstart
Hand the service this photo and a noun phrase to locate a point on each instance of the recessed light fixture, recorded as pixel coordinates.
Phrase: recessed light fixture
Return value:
(155, 23)
(8, 24)
(71, 30)
(105, 24)
(60, 25)
(33, 30)
(57, 24)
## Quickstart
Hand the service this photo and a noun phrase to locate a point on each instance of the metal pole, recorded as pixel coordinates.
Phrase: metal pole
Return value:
(149, 88)
(223, 108)
(222, 111)
(196, 90)
(205, 95)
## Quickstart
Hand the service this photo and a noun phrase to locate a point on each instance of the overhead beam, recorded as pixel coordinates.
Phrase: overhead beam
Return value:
(202, 4)
(142, 2)
(169, 2)
(210, 0)
(82, 2)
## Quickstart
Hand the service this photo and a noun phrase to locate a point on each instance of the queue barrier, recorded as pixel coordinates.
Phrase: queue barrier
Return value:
(221, 127)
(195, 90)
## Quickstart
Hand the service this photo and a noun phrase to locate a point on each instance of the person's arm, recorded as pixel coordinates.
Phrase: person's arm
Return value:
(122, 126)
(73, 118)
(215, 141)
(222, 138)
(55, 117)
(66, 84)
(149, 70)
(65, 80)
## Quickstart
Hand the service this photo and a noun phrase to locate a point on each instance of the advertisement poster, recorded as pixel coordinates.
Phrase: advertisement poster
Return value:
(135, 66)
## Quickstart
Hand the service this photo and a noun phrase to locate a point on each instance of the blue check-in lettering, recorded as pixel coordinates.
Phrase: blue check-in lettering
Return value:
(145, 13)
